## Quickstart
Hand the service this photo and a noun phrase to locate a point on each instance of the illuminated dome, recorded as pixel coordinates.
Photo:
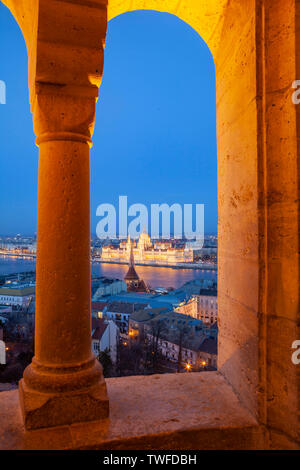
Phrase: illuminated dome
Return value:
(144, 240)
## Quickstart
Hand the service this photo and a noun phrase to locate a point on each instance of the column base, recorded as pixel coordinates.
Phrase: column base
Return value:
(43, 409)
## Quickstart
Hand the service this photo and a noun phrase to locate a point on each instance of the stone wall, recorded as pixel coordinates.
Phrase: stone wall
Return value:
(253, 43)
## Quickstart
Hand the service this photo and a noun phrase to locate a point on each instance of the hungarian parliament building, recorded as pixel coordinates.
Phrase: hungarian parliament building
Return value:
(145, 251)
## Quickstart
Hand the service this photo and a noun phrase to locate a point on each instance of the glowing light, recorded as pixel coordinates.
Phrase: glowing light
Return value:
(188, 367)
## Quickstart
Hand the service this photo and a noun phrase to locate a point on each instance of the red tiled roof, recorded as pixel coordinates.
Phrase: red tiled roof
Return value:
(131, 274)
(140, 287)
(210, 346)
(98, 328)
(98, 305)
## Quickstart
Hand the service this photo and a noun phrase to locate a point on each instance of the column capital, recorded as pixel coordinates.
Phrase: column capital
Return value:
(65, 68)
(63, 117)
(65, 42)
(69, 53)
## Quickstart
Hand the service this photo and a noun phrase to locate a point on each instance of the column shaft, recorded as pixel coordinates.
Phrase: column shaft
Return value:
(63, 315)
(64, 383)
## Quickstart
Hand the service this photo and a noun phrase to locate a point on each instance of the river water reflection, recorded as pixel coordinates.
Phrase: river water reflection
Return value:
(155, 277)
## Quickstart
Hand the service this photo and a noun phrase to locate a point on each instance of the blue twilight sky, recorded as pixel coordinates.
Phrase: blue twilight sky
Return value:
(155, 133)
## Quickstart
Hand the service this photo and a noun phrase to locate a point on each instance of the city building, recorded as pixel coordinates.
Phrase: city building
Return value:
(120, 313)
(177, 335)
(97, 309)
(201, 352)
(195, 286)
(106, 286)
(189, 307)
(22, 246)
(2, 351)
(144, 299)
(208, 352)
(105, 337)
(200, 303)
(17, 294)
(207, 306)
(2, 348)
(24, 277)
(161, 252)
(5, 309)
(140, 319)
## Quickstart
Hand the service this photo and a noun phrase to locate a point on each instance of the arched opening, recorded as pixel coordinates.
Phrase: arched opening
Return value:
(233, 36)
(237, 119)
(258, 276)
(155, 142)
(19, 155)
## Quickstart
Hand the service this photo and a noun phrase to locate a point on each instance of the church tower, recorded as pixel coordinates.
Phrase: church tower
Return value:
(134, 283)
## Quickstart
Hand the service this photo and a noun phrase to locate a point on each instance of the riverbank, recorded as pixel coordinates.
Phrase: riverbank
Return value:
(154, 276)
(4, 254)
(204, 266)
(208, 267)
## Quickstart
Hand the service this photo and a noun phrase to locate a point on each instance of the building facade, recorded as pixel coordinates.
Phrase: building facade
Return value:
(204, 355)
(207, 306)
(107, 286)
(203, 307)
(120, 312)
(190, 307)
(17, 295)
(105, 337)
(180, 337)
(145, 251)
(2, 352)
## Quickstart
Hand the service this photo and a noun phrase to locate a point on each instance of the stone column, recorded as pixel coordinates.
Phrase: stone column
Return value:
(65, 44)
(64, 383)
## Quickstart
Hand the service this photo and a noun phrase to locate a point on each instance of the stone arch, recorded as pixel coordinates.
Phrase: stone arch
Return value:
(205, 17)
(218, 24)
(257, 126)
(229, 30)
(255, 305)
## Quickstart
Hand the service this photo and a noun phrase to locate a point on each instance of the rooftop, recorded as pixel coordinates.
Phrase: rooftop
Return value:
(195, 286)
(131, 274)
(99, 305)
(17, 289)
(98, 328)
(174, 297)
(141, 298)
(209, 345)
(179, 327)
(209, 292)
(105, 280)
(146, 314)
(123, 307)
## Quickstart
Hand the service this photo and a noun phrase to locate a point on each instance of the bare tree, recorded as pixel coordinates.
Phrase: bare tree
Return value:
(155, 331)
(182, 332)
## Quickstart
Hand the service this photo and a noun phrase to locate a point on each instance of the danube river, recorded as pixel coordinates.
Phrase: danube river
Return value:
(153, 276)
